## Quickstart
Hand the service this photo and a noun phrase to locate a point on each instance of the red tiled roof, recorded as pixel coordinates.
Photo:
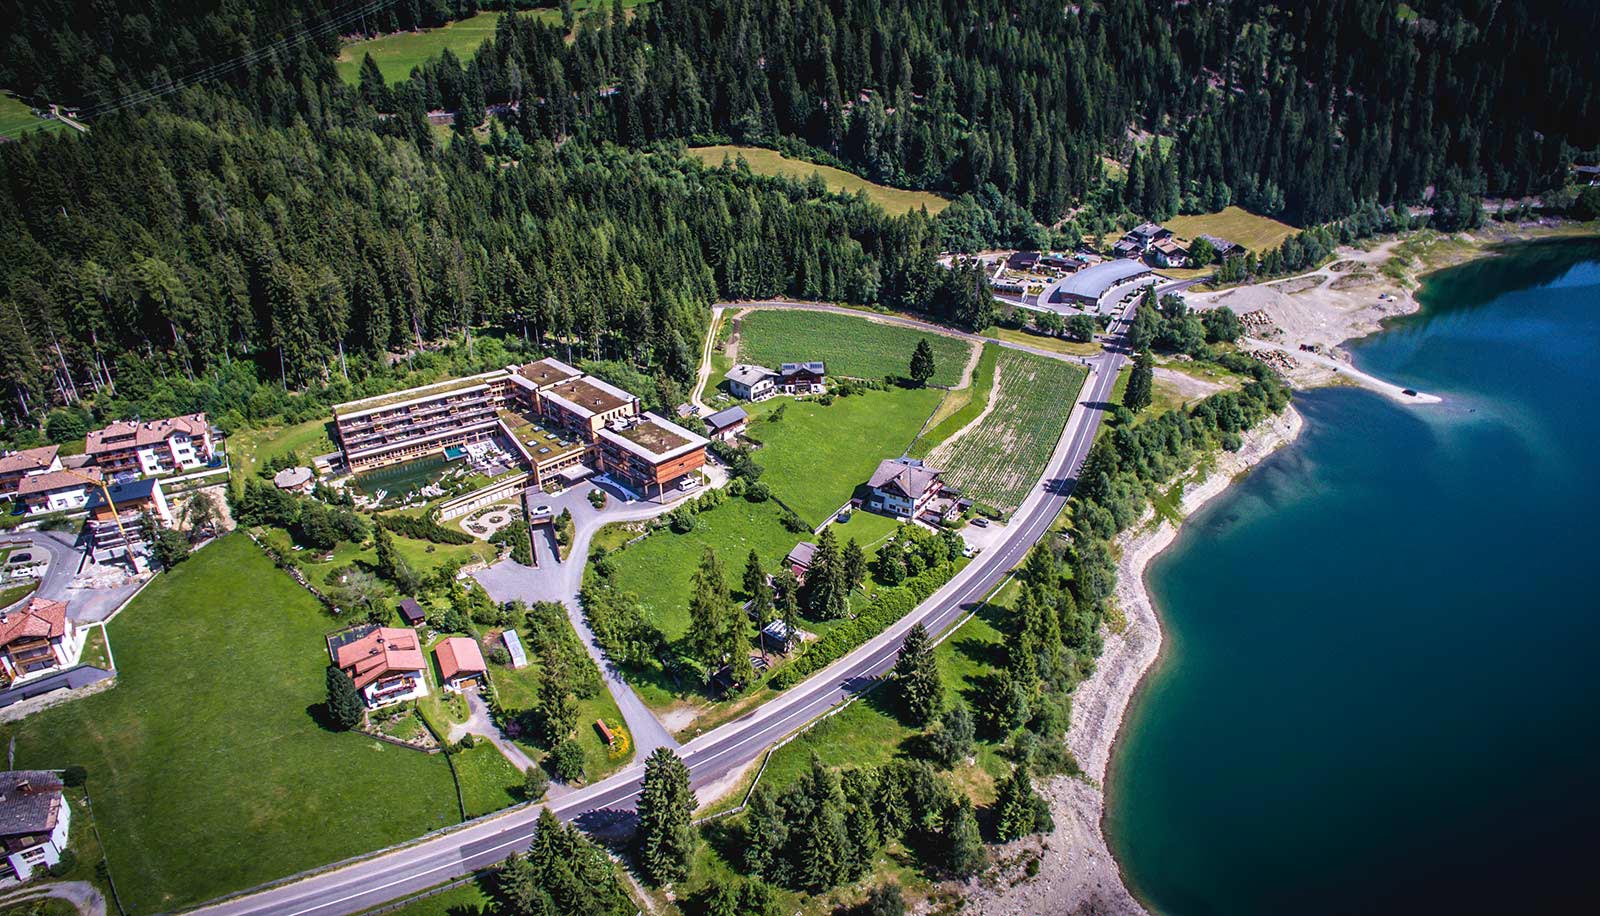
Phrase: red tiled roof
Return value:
(383, 650)
(459, 655)
(131, 434)
(29, 459)
(55, 480)
(41, 619)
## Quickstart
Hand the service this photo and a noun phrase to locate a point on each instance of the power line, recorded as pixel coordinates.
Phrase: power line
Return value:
(333, 23)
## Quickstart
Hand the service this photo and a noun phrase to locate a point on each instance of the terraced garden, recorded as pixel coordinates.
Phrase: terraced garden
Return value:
(997, 460)
(850, 346)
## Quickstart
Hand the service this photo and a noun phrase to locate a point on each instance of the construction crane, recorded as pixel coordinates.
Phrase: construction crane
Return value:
(105, 493)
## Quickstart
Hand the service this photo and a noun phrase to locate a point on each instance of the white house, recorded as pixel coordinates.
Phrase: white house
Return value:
(27, 463)
(752, 383)
(154, 447)
(903, 487)
(57, 491)
(386, 664)
(35, 820)
(37, 639)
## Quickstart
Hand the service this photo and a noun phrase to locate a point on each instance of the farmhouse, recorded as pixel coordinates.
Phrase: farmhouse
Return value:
(800, 558)
(16, 465)
(35, 820)
(650, 453)
(1224, 248)
(802, 378)
(56, 491)
(726, 425)
(1146, 235)
(37, 639)
(1062, 263)
(1088, 286)
(752, 383)
(154, 447)
(903, 487)
(1023, 260)
(1126, 248)
(1169, 252)
(460, 663)
(385, 662)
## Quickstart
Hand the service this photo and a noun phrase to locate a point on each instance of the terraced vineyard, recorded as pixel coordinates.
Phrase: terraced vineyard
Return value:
(997, 460)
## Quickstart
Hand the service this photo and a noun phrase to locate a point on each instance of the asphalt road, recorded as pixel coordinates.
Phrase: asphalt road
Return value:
(364, 883)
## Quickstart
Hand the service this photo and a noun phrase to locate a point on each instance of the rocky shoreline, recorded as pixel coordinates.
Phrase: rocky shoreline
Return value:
(1075, 871)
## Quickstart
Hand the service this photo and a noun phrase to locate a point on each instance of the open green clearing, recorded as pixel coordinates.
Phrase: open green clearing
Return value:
(40, 906)
(16, 118)
(250, 449)
(488, 780)
(960, 405)
(998, 460)
(398, 53)
(771, 162)
(1042, 342)
(816, 455)
(1236, 224)
(854, 347)
(423, 556)
(208, 770)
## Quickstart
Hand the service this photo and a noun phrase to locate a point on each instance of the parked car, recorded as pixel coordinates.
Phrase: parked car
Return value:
(981, 522)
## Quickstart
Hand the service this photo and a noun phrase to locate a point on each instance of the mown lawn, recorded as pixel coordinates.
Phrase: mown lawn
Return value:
(815, 456)
(850, 346)
(250, 449)
(488, 780)
(771, 162)
(465, 898)
(17, 119)
(207, 765)
(659, 568)
(1236, 224)
(1041, 342)
(961, 405)
(397, 54)
(998, 461)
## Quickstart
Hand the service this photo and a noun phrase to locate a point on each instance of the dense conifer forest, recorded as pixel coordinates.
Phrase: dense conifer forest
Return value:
(264, 228)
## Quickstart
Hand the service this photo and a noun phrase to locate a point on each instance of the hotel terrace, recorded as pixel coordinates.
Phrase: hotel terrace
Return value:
(562, 423)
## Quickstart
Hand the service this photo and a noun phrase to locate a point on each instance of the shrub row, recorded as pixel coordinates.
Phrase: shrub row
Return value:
(423, 529)
(887, 606)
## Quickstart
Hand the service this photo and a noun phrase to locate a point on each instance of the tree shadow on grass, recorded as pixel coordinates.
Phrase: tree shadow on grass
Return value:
(323, 716)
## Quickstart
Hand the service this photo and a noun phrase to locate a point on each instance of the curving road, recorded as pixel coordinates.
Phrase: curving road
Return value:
(361, 884)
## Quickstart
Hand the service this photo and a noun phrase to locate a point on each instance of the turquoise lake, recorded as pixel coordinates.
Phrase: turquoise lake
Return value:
(1379, 687)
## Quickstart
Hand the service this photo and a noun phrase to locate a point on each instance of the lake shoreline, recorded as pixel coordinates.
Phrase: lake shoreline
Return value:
(1077, 872)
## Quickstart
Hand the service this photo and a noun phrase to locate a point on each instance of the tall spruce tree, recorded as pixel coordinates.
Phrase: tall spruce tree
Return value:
(915, 677)
(709, 609)
(1141, 383)
(1018, 807)
(961, 842)
(922, 366)
(345, 707)
(666, 835)
(853, 566)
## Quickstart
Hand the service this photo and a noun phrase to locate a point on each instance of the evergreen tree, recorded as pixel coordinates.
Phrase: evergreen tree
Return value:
(666, 835)
(821, 857)
(962, 843)
(1017, 807)
(765, 833)
(915, 677)
(826, 593)
(954, 739)
(1141, 383)
(863, 838)
(558, 708)
(853, 566)
(884, 900)
(709, 613)
(787, 590)
(922, 367)
(345, 707)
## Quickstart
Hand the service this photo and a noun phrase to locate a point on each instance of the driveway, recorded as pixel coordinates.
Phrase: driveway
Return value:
(86, 602)
(560, 581)
(481, 723)
(81, 894)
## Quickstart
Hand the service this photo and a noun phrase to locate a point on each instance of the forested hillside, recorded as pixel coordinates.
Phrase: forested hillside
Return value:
(268, 217)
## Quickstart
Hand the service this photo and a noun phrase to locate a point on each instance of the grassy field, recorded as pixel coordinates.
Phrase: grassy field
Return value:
(16, 118)
(659, 568)
(488, 780)
(249, 449)
(1041, 342)
(961, 405)
(998, 461)
(1257, 233)
(816, 455)
(771, 162)
(465, 898)
(850, 346)
(397, 54)
(424, 556)
(208, 769)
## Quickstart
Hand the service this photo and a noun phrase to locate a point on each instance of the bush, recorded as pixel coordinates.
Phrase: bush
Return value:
(534, 784)
(758, 492)
(597, 498)
(423, 529)
(499, 656)
(65, 865)
(566, 761)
